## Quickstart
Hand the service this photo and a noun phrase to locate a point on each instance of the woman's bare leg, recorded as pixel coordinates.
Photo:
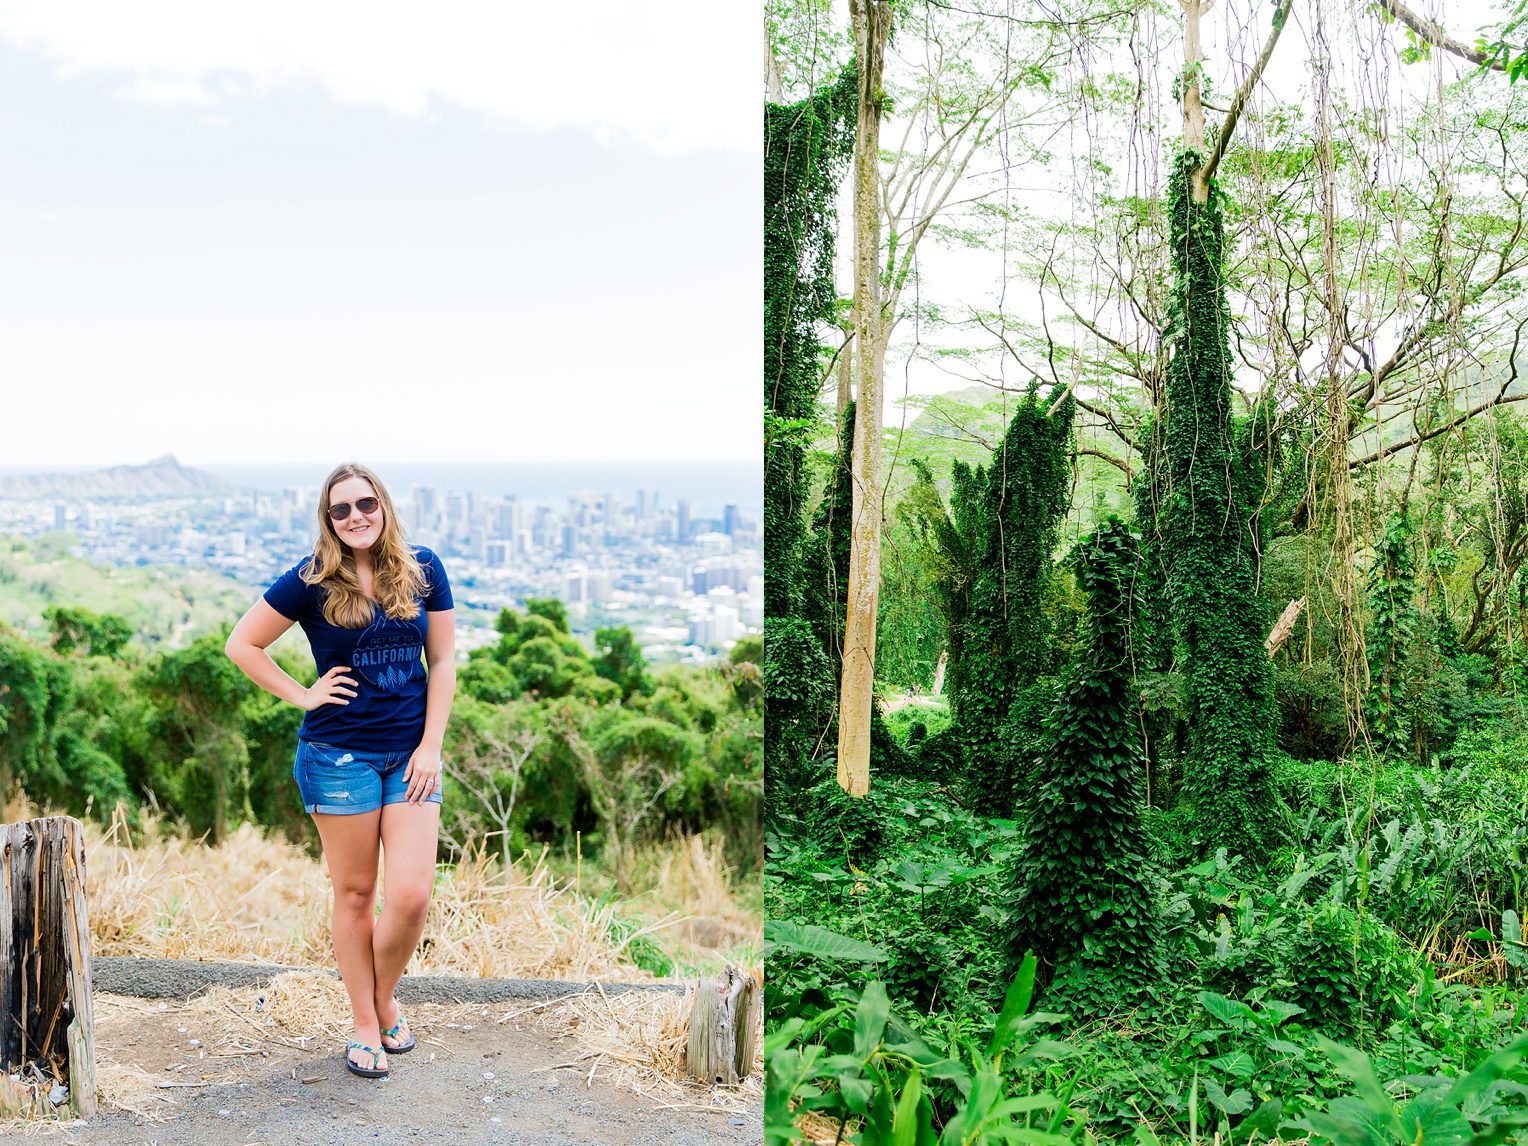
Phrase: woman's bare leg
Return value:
(350, 850)
(409, 833)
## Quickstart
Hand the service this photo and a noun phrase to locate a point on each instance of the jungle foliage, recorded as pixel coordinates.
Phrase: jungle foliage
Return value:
(1237, 915)
(545, 741)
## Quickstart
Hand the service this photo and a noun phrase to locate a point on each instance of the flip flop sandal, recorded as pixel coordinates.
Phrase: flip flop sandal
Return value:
(392, 1033)
(364, 1072)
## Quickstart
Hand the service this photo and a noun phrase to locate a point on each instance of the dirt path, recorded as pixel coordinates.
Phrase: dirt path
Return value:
(466, 1082)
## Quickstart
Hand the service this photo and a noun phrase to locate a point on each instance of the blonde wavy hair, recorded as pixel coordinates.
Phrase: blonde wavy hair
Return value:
(396, 576)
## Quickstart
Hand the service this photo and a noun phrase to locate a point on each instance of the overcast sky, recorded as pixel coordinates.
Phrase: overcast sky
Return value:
(438, 232)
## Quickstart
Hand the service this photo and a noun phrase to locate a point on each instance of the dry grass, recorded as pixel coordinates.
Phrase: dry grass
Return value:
(642, 1040)
(698, 912)
(257, 898)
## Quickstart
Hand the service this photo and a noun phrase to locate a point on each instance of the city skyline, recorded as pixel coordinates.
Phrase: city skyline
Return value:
(689, 585)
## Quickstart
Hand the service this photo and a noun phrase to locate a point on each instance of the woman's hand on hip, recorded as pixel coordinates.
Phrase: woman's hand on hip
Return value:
(334, 687)
(422, 774)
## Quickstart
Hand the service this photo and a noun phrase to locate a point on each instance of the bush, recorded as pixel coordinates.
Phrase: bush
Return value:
(1338, 995)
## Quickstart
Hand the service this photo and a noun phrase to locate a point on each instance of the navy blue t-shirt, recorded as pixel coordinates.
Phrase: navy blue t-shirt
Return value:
(385, 659)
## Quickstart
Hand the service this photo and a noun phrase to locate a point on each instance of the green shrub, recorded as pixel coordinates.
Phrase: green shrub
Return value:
(1348, 972)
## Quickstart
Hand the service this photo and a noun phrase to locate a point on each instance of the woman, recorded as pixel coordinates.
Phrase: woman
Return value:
(368, 755)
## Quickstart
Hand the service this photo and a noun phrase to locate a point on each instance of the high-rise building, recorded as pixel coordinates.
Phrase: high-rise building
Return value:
(424, 510)
(682, 524)
(496, 553)
(60, 515)
(508, 518)
(731, 519)
(647, 504)
(610, 510)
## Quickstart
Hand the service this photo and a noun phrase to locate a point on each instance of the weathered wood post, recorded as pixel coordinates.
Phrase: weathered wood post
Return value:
(723, 1018)
(47, 1026)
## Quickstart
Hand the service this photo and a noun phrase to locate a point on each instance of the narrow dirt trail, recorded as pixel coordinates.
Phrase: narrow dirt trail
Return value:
(466, 1082)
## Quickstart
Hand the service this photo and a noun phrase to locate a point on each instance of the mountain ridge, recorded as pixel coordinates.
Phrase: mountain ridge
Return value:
(159, 477)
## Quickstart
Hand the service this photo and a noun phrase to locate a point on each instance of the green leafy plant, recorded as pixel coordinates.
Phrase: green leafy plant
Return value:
(885, 1073)
(1372, 1117)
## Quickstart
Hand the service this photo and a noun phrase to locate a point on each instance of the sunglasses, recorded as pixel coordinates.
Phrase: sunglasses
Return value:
(341, 511)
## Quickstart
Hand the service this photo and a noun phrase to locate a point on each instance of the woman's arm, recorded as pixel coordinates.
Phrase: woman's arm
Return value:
(246, 646)
(423, 771)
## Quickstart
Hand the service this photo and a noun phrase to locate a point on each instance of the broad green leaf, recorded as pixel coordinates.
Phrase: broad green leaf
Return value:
(1230, 1012)
(1238, 1064)
(870, 1019)
(809, 939)
(905, 1126)
(1279, 1011)
(1512, 940)
(1238, 1101)
(857, 1093)
(1488, 1072)
(1265, 1119)
(1025, 1105)
(1284, 1046)
(1014, 1006)
(1027, 1137)
(1355, 1066)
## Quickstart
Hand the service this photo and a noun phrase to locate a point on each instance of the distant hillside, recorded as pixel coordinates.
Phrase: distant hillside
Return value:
(162, 477)
(164, 603)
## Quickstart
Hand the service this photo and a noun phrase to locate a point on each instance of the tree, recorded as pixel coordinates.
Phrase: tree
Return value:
(204, 769)
(1206, 540)
(550, 608)
(1006, 646)
(964, 87)
(94, 634)
(806, 147)
(1085, 898)
(872, 29)
(621, 661)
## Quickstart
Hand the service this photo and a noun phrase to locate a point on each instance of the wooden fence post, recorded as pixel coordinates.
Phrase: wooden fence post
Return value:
(47, 1026)
(723, 1018)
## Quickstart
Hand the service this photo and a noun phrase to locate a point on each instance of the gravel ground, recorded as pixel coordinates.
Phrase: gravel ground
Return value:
(489, 1084)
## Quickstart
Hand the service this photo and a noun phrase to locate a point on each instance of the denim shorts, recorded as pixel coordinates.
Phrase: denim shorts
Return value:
(346, 782)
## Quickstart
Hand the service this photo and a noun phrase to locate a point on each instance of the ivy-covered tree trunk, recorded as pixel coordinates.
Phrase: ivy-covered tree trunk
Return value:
(1208, 545)
(872, 28)
(1085, 899)
(1006, 643)
(1393, 628)
(806, 146)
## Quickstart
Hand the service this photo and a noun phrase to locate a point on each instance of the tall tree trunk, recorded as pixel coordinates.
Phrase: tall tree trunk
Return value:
(1193, 58)
(773, 87)
(872, 25)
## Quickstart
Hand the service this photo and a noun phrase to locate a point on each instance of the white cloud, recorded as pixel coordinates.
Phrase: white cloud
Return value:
(673, 75)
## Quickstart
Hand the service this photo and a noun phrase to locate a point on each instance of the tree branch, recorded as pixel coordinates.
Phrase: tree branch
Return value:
(1118, 463)
(1434, 34)
(1243, 93)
